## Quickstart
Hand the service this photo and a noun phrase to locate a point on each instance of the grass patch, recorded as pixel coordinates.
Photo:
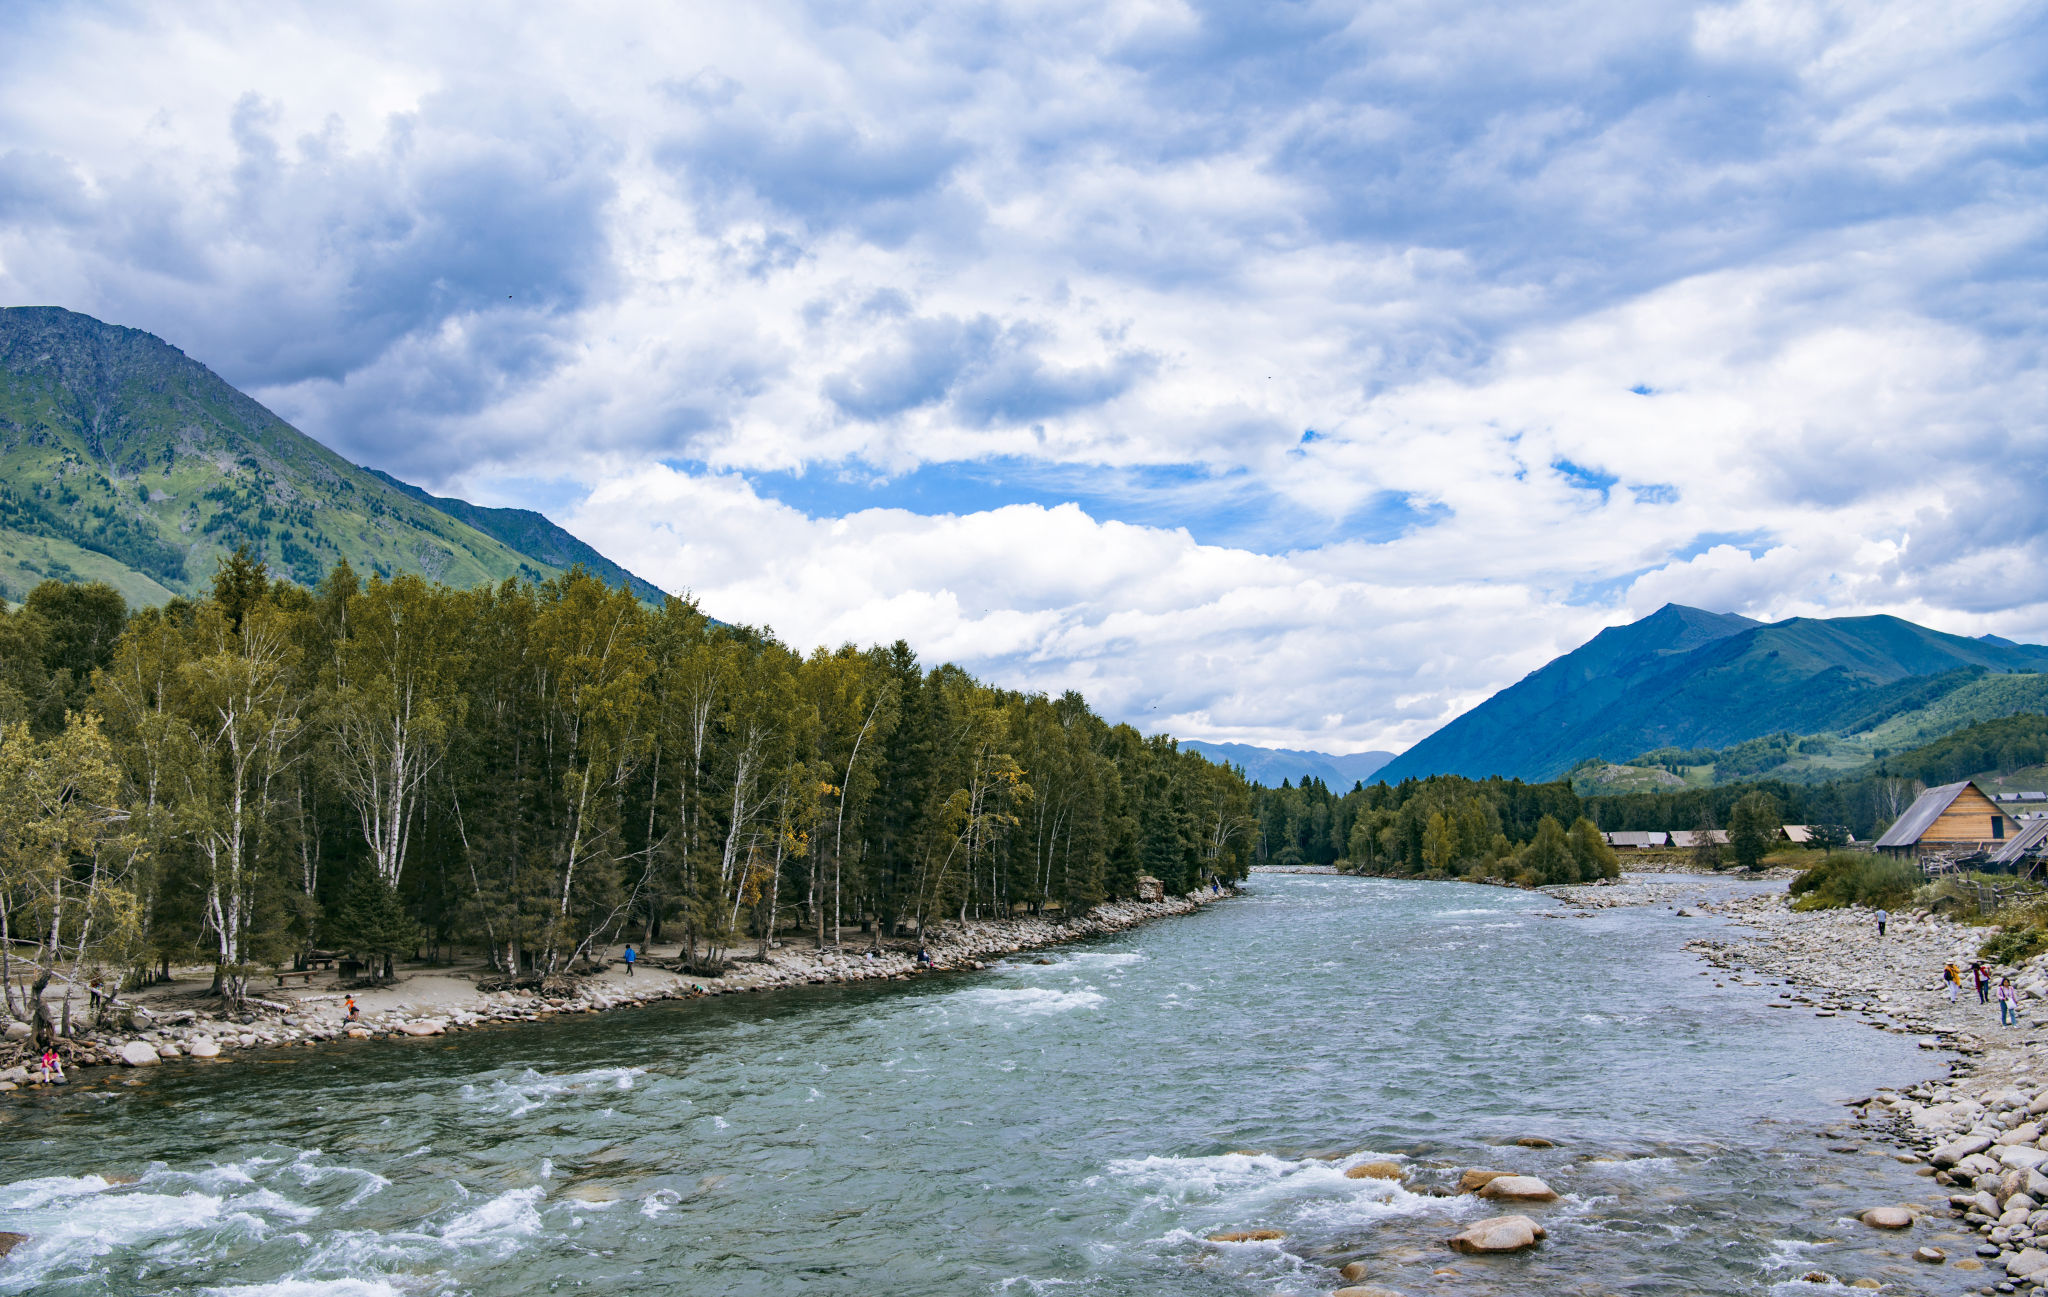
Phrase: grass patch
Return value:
(1853, 878)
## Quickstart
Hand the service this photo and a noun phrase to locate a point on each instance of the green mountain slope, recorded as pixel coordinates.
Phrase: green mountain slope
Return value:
(1684, 679)
(533, 535)
(122, 459)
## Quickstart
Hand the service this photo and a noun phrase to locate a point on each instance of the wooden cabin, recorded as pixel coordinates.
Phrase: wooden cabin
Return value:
(1635, 840)
(1954, 817)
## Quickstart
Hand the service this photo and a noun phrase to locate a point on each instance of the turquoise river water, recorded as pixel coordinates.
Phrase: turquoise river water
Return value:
(1076, 1127)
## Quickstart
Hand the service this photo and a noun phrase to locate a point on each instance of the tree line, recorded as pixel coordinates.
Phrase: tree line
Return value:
(532, 771)
(1443, 826)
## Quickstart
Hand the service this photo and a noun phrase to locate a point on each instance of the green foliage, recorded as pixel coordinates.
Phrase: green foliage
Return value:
(1441, 827)
(1855, 878)
(2012, 945)
(369, 919)
(1753, 826)
(538, 769)
(2009, 743)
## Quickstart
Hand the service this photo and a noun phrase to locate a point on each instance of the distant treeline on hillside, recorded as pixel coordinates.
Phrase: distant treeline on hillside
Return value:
(1445, 826)
(536, 770)
(1865, 804)
(1483, 825)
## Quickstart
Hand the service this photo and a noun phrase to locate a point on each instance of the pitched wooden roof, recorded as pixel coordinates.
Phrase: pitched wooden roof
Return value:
(1925, 810)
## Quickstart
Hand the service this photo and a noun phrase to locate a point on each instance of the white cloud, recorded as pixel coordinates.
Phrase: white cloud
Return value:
(1130, 253)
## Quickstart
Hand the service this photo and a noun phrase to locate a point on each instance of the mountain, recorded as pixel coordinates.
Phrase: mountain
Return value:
(124, 460)
(531, 534)
(1269, 766)
(1687, 679)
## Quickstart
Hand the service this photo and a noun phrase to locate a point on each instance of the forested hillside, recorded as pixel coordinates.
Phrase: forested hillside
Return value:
(1683, 680)
(533, 768)
(1866, 800)
(123, 460)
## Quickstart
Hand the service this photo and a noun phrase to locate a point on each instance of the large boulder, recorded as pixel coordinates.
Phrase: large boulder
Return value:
(1374, 1171)
(9, 1242)
(1498, 1234)
(1956, 1150)
(1246, 1236)
(203, 1047)
(1888, 1218)
(1475, 1179)
(19, 1031)
(2031, 1261)
(424, 1027)
(1517, 1188)
(138, 1053)
(2022, 1156)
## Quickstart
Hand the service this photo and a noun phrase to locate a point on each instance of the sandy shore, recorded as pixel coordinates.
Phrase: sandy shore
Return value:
(432, 1003)
(1980, 1134)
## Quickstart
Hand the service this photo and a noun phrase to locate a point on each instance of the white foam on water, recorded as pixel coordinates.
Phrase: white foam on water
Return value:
(530, 1089)
(1787, 1252)
(1107, 958)
(70, 1220)
(501, 1221)
(1459, 914)
(1027, 1001)
(309, 1288)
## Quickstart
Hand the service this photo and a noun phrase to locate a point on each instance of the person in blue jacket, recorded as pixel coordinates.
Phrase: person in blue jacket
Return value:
(631, 959)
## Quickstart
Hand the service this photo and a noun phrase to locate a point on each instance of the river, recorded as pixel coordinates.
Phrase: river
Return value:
(1073, 1127)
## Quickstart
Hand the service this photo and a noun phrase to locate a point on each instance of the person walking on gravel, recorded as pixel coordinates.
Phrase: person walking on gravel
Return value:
(1882, 918)
(1952, 978)
(1982, 977)
(631, 959)
(2008, 1003)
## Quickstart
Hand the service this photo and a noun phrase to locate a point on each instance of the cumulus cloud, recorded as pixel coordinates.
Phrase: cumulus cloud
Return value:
(1391, 349)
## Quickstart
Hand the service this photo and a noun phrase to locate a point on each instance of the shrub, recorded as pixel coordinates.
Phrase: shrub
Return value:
(1852, 878)
(2014, 943)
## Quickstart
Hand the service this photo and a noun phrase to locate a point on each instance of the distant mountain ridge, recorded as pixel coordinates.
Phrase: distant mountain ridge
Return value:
(1685, 678)
(1270, 766)
(533, 535)
(124, 460)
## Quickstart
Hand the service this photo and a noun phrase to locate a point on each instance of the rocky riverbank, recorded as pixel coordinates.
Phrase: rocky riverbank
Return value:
(1982, 1135)
(434, 1004)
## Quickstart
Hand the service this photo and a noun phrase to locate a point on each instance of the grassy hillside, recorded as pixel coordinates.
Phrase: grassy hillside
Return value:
(1690, 688)
(121, 459)
(1952, 701)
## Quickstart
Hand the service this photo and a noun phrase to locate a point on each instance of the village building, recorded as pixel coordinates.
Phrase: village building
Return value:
(1958, 817)
(1690, 838)
(2027, 848)
(1635, 840)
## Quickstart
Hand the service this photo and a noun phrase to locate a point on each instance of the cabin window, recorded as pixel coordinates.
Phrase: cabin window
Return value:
(1998, 826)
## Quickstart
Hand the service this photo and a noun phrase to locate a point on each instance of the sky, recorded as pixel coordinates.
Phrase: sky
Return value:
(1286, 373)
